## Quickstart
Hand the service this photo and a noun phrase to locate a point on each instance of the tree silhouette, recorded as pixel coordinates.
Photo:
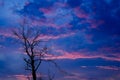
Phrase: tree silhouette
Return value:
(30, 40)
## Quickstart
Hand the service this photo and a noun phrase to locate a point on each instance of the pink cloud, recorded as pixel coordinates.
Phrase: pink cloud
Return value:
(60, 13)
(48, 23)
(95, 23)
(109, 67)
(80, 13)
(80, 55)
(75, 76)
(56, 16)
(45, 10)
(21, 77)
(70, 55)
(26, 77)
(6, 33)
(49, 37)
(53, 8)
(111, 58)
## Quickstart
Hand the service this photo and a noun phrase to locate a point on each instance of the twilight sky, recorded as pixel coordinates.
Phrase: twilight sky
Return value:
(83, 34)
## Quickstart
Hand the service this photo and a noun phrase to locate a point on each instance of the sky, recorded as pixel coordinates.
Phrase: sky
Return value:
(83, 34)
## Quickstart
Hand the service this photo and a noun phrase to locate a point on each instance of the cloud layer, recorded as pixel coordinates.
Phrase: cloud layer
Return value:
(74, 30)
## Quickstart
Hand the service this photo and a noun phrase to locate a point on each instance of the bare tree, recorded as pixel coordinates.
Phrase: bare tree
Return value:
(36, 53)
(30, 40)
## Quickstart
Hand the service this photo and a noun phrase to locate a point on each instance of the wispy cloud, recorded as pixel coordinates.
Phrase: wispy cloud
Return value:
(109, 67)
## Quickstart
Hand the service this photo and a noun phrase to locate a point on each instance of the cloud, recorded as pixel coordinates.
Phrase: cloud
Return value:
(58, 15)
(72, 55)
(109, 67)
(6, 32)
(62, 54)
(21, 77)
(51, 37)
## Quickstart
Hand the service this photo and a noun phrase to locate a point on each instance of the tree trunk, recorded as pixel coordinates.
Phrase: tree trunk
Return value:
(33, 71)
(34, 75)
